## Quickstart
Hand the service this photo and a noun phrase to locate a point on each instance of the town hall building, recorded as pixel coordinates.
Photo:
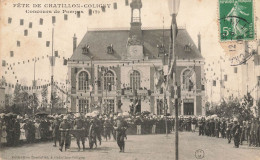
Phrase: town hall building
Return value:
(110, 70)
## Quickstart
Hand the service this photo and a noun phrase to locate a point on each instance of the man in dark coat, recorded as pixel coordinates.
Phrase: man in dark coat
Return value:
(64, 128)
(200, 124)
(17, 131)
(120, 127)
(80, 126)
(228, 131)
(55, 131)
(236, 133)
(10, 131)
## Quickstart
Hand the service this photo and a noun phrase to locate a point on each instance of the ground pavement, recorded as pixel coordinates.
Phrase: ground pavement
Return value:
(141, 147)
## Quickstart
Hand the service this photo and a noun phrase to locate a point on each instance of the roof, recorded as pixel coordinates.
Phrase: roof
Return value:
(98, 41)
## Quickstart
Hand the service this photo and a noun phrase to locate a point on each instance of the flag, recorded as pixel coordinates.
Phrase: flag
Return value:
(18, 43)
(65, 62)
(11, 53)
(47, 43)
(90, 12)
(41, 21)
(9, 20)
(115, 5)
(78, 14)
(214, 83)
(30, 25)
(257, 59)
(158, 78)
(65, 17)
(52, 60)
(53, 19)
(25, 32)
(56, 53)
(126, 2)
(21, 22)
(235, 69)
(103, 8)
(3, 63)
(225, 77)
(39, 34)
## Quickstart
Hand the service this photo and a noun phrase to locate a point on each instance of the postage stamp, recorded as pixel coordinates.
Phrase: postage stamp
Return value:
(236, 20)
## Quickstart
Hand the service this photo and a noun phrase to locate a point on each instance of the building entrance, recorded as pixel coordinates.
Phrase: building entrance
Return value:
(188, 108)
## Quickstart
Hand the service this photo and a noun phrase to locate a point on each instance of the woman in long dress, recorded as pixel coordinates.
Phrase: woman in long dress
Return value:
(22, 135)
(37, 130)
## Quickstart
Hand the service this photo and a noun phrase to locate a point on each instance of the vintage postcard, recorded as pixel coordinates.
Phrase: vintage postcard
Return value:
(129, 79)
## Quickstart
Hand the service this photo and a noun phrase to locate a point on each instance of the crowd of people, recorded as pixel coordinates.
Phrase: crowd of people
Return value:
(93, 127)
(231, 128)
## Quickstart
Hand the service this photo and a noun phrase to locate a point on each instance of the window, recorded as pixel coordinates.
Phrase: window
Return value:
(84, 106)
(109, 106)
(135, 80)
(187, 48)
(188, 79)
(83, 81)
(110, 49)
(109, 80)
(85, 49)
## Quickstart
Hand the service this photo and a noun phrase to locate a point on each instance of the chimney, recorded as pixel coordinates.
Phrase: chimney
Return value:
(74, 42)
(199, 44)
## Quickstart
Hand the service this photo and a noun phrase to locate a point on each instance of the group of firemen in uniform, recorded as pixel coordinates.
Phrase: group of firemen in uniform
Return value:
(231, 128)
(89, 127)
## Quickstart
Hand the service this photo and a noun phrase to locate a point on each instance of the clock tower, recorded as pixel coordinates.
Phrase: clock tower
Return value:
(135, 40)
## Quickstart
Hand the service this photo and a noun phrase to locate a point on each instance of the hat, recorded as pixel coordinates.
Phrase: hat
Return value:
(120, 115)
(235, 119)
(77, 115)
(65, 117)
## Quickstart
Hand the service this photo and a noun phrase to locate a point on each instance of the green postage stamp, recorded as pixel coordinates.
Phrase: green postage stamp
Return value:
(236, 20)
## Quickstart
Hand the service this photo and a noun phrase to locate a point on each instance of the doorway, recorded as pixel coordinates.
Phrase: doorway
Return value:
(188, 108)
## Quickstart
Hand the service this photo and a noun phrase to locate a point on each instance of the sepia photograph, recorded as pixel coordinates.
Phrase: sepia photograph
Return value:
(129, 79)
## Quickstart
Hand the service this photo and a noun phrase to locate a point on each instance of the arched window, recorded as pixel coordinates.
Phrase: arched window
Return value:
(109, 80)
(188, 80)
(83, 81)
(135, 80)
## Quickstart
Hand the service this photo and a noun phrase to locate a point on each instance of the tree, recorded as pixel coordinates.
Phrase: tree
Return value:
(232, 108)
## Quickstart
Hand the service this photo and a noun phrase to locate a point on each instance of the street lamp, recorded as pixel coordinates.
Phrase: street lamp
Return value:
(174, 8)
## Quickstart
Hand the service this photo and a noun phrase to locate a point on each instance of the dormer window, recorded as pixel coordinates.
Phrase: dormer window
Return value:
(187, 48)
(110, 49)
(85, 49)
(161, 48)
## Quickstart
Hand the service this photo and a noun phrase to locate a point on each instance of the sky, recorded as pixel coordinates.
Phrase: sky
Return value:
(197, 16)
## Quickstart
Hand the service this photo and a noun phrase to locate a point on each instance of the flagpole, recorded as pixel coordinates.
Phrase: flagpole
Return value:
(52, 64)
(174, 27)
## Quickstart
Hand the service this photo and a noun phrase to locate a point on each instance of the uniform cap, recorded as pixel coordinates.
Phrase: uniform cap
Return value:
(77, 115)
